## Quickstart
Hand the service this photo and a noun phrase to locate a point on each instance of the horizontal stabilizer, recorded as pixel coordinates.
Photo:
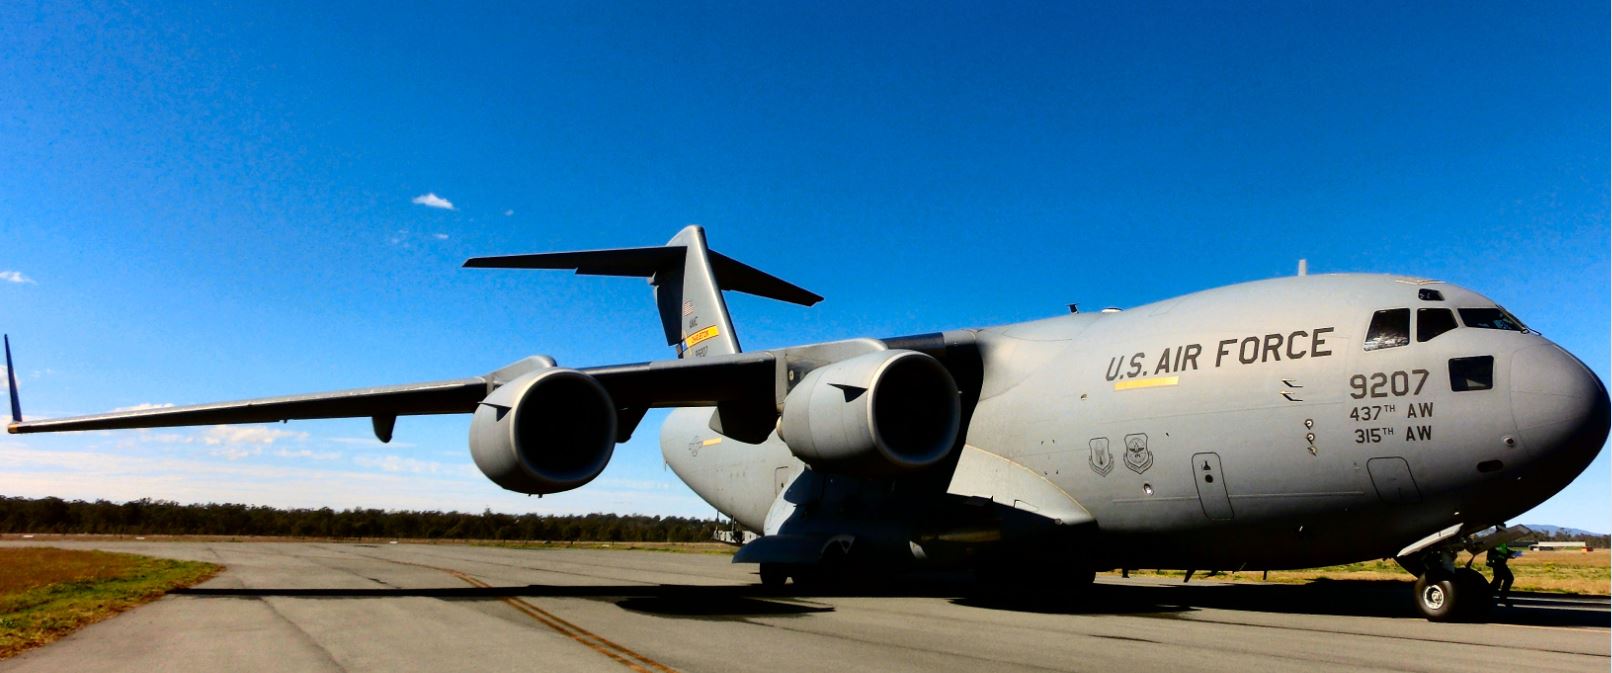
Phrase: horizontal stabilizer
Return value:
(642, 262)
(731, 274)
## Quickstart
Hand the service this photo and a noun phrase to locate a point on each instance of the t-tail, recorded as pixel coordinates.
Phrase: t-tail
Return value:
(688, 278)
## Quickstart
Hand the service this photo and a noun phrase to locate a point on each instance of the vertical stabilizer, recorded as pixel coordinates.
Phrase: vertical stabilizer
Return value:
(692, 309)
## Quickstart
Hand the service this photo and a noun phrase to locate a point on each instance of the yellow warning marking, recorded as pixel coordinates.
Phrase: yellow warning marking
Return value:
(696, 338)
(713, 440)
(1154, 382)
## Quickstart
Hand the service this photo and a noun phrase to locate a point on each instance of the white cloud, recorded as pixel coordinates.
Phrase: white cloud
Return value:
(307, 453)
(431, 200)
(368, 442)
(15, 277)
(67, 470)
(227, 436)
(406, 239)
(509, 213)
(633, 484)
(145, 405)
(233, 452)
(398, 464)
(234, 434)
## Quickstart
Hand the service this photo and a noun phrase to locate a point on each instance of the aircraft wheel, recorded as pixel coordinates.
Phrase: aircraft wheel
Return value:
(1438, 595)
(1476, 598)
(1070, 585)
(773, 575)
(809, 577)
(1061, 585)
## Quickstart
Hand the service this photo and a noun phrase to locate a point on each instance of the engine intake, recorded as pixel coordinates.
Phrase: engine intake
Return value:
(546, 431)
(877, 413)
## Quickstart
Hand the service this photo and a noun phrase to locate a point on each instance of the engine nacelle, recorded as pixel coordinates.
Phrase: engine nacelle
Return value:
(876, 413)
(546, 431)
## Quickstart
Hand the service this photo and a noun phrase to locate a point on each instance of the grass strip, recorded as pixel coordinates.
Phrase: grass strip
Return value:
(46, 593)
(1562, 572)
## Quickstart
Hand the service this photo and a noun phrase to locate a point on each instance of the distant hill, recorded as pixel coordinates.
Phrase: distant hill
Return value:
(1561, 531)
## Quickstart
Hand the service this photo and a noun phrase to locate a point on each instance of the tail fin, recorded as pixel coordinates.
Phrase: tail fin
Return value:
(688, 279)
(11, 381)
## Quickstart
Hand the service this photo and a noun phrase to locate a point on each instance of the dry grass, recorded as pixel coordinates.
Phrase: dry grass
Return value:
(1563, 572)
(46, 593)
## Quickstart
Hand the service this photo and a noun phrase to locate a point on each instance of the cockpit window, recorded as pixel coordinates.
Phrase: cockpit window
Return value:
(1390, 328)
(1431, 322)
(1491, 318)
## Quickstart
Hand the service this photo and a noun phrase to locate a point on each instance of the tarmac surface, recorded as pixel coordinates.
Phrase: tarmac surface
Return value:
(288, 607)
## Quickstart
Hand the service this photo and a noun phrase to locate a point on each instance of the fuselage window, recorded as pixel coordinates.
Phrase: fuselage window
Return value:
(1390, 328)
(1472, 373)
(1491, 318)
(1431, 322)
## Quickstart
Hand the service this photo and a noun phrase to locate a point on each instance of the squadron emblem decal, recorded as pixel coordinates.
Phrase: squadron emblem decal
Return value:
(1137, 456)
(1102, 460)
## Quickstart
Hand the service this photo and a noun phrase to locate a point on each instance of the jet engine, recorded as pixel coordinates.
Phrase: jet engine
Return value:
(546, 431)
(877, 413)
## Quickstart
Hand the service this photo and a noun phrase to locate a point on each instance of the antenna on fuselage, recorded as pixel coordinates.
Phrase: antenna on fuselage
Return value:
(1304, 267)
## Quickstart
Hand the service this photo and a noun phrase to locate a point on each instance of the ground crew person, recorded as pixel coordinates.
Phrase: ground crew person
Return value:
(1496, 560)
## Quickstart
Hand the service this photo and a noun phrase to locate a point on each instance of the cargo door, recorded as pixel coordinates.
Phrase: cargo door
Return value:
(1211, 486)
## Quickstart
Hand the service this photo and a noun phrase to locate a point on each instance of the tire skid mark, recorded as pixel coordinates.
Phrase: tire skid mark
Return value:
(593, 641)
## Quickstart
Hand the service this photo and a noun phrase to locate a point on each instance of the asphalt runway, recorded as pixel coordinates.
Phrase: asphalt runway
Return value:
(289, 607)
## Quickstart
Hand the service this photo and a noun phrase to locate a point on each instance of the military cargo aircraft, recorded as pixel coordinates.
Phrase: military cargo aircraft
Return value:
(1284, 423)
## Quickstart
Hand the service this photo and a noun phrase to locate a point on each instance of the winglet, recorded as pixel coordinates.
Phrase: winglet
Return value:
(11, 380)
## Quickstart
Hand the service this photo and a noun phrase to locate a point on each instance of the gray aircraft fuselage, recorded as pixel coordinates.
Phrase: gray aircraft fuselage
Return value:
(1245, 426)
(1292, 422)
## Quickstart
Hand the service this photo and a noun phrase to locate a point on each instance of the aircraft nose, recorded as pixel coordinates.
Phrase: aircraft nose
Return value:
(1561, 406)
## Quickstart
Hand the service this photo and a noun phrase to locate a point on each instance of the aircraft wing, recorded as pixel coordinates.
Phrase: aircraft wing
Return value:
(440, 397)
(633, 387)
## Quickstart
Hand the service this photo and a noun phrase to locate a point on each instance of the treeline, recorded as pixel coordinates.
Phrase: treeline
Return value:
(160, 517)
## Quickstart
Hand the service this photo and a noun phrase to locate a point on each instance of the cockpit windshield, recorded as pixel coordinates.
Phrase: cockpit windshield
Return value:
(1390, 328)
(1491, 318)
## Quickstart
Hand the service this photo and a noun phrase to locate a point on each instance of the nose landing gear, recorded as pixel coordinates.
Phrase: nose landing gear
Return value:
(1445, 593)
(1452, 595)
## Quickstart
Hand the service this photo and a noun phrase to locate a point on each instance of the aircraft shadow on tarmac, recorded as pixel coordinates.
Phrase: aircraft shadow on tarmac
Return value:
(1368, 598)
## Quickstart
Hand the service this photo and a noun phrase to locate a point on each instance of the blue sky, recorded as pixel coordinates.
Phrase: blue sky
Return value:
(203, 201)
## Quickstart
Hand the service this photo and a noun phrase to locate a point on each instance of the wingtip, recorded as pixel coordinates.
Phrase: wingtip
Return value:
(11, 387)
(10, 380)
